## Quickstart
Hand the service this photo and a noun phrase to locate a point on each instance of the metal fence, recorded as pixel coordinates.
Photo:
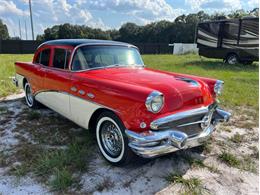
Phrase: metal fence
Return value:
(28, 47)
(18, 46)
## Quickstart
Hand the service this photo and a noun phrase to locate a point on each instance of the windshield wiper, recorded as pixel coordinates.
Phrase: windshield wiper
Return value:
(122, 65)
(115, 65)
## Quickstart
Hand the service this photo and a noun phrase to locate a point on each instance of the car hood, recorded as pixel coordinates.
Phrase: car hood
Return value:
(178, 91)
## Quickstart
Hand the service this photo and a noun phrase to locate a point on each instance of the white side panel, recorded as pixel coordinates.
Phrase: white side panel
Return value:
(57, 101)
(82, 110)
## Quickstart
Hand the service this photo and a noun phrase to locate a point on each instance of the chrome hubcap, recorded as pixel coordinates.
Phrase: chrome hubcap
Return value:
(111, 138)
(29, 95)
(232, 60)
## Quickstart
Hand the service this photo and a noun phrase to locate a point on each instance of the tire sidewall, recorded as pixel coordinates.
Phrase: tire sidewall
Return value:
(31, 105)
(108, 116)
(234, 56)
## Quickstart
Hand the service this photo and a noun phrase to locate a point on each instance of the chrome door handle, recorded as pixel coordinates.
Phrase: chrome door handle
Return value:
(74, 89)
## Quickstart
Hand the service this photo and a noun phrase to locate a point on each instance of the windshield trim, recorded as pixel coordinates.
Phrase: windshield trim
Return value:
(101, 44)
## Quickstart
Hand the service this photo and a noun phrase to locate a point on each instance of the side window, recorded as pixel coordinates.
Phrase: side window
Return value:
(45, 57)
(37, 59)
(59, 58)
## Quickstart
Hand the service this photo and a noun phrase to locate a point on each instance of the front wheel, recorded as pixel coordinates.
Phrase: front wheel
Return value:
(112, 140)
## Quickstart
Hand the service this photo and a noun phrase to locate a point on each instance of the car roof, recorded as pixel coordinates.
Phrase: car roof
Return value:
(77, 42)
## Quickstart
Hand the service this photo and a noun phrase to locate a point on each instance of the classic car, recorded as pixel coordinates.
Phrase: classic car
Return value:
(104, 86)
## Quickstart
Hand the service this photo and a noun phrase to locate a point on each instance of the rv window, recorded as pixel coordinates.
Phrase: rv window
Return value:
(249, 34)
(211, 28)
(230, 30)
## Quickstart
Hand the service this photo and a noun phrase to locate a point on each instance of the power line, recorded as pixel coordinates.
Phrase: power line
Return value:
(30, 7)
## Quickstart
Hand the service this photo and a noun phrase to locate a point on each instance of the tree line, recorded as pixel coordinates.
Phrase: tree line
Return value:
(182, 29)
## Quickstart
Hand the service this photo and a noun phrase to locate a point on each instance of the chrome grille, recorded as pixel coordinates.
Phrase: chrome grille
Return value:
(191, 125)
(192, 122)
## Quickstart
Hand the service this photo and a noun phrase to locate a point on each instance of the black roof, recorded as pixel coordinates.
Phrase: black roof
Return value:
(76, 42)
(229, 20)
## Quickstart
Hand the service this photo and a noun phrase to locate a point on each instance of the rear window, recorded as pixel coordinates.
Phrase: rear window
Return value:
(43, 57)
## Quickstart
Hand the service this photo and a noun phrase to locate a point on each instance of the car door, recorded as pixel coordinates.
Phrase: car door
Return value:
(38, 71)
(57, 81)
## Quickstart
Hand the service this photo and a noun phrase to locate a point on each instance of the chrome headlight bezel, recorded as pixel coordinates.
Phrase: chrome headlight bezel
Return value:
(218, 87)
(150, 100)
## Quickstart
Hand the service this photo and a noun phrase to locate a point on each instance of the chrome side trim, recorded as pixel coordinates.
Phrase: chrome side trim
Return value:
(177, 116)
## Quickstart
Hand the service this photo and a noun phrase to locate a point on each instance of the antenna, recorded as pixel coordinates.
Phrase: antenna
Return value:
(30, 7)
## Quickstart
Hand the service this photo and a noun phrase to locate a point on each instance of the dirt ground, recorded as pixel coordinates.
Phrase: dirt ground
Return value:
(212, 165)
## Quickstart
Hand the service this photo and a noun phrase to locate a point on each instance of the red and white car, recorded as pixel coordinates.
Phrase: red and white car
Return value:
(104, 86)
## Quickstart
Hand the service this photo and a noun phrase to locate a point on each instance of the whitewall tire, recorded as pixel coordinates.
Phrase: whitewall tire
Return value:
(111, 139)
(29, 98)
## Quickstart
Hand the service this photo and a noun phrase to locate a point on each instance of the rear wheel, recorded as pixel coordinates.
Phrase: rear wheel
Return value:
(232, 59)
(29, 98)
(112, 140)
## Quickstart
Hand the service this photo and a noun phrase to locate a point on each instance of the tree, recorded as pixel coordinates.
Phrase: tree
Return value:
(182, 30)
(3, 31)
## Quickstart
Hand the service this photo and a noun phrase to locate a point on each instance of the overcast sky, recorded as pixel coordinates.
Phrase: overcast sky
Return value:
(106, 14)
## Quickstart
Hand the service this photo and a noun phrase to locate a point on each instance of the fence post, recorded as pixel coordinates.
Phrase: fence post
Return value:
(0, 46)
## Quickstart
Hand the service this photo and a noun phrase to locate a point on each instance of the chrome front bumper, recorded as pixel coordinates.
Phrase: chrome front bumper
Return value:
(159, 142)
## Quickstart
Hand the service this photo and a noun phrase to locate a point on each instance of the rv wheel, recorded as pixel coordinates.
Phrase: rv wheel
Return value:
(232, 59)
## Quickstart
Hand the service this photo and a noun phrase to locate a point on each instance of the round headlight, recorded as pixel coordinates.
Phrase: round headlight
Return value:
(154, 102)
(218, 88)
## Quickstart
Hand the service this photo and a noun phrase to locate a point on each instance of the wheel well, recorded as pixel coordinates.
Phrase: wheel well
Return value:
(24, 82)
(93, 119)
(231, 53)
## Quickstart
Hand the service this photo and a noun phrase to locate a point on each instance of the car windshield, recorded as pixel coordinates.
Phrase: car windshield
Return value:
(94, 57)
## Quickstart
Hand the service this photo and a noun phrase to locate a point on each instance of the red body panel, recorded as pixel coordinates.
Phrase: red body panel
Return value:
(124, 90)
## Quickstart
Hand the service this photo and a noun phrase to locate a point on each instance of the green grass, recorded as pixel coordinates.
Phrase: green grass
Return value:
(237, 138)
(241, 81)
(191, 186)
(62, 179)
(7, 70)
(229, 159)
(75, 157)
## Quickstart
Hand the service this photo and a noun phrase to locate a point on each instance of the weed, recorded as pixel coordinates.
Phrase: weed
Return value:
(106, 184)
(255, 153)
(191, 186)
(229, 159)
(62, 180)
(19, 170)
(33, 115)
(249, 164)
(207, 146)
(199, 163)
(237, 138)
